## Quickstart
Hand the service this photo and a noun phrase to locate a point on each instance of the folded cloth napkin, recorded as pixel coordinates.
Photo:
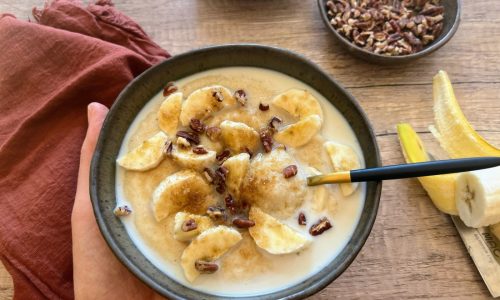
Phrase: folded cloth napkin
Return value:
(49, 73)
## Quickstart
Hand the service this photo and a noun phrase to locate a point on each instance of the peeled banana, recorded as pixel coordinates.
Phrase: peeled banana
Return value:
(274, 236)
(239, 136)
(209, 246)
(186, 158)
(147, 156)
(168, 114)
(238, 167)
(184, 190)
(205, 101)
(478, 197)
(202, 223)
(299, 133)
(343, 158)
(440, 188)
(298, 103)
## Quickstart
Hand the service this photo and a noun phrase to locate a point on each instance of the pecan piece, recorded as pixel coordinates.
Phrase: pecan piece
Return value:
(197, 125)
(221, 157)
(302, 219)
(241, 97)
(189, 225)
(191, 137)
(320, 227)
(121, 211)
(243, 223)
(169, 89)
(266, 137)
(206, 267)
(168, 147)
(220, 179)
(231, 204)
(263, 107)
(199, 150)
(275, 121)
(216, 213)
(290, 171)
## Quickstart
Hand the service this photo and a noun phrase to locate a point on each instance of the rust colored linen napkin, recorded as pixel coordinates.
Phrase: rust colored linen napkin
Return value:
(49, 72)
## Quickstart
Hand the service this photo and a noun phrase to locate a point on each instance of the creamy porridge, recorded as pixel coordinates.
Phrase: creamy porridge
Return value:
(267, 235)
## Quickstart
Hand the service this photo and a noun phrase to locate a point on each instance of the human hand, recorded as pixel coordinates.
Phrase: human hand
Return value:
(97, 273)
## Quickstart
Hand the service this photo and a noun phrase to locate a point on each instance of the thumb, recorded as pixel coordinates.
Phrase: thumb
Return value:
(96, 114)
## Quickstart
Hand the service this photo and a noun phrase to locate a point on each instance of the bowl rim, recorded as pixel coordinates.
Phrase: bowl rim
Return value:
(150, 281)
(401, 58)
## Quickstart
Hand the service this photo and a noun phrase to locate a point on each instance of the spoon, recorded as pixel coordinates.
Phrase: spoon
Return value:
(421, 169)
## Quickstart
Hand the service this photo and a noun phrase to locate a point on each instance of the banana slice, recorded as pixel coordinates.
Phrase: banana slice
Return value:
(440, 188)
(147, 156)
(323, 200)
(299, 103)
(274, 236)
(187, 159)
(237, 166)
(266, 187)
(495, 230)
(168, 115)
(478, 197)
(343, 158)
(209, 246)
(183, 223)
(453, 131)
(184, 190)
(238, 136)
(300, 133)
(203, 102)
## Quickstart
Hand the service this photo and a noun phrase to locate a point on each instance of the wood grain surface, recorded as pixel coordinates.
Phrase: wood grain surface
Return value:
(414, 251)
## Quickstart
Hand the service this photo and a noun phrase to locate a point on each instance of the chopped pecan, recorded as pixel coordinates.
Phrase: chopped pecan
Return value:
(263, 107)
(266, 137)
(275, 121)
(206, 267)
(320, 227)
(302, 219)
(197, 125)
(220, 179)
(241, 97)
(191, 137)
(221, 157)
(168, 147)
(189, 225)
(290, 171)
(243, 223)
(199, 150)
(121, 211)
(213, 133)
(231, 204)
(169, 89)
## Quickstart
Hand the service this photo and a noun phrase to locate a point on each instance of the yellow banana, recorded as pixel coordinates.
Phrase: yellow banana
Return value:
(440, 188)
(454, 132)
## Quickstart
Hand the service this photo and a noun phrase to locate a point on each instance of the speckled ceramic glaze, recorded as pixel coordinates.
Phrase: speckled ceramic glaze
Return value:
(133, 98)
(452, 11)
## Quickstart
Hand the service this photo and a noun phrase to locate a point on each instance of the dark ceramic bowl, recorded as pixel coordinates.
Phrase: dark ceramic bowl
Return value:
(452, 11)
(133, 98)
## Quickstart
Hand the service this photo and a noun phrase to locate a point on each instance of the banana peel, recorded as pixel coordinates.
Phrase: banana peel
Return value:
(452, 129)
(440, 188)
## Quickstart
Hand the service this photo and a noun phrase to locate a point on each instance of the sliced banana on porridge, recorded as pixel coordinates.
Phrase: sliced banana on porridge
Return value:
(300, 133)
(169, 112)
(266, 186)
(238, 167)
(187, 158)
(239, 136)
(323, 199)
(147, 156)
(187, 226)
(343, 158)
(273, 236)
(205, 101)
(298, 103)
(201, 253)
(184, 190)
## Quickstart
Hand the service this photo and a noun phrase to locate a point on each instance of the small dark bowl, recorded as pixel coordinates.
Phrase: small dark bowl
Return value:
(452, 11)
(138, 93)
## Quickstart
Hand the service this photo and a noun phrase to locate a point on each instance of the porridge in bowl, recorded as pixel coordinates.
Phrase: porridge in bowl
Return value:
(213, 176)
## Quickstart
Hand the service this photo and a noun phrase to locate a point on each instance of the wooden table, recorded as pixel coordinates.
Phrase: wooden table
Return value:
(414, 251)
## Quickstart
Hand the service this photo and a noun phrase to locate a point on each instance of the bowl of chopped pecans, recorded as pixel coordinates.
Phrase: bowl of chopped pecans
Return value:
(391, 31)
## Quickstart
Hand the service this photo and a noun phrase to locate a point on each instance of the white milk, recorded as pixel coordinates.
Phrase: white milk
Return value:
(280, 271)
